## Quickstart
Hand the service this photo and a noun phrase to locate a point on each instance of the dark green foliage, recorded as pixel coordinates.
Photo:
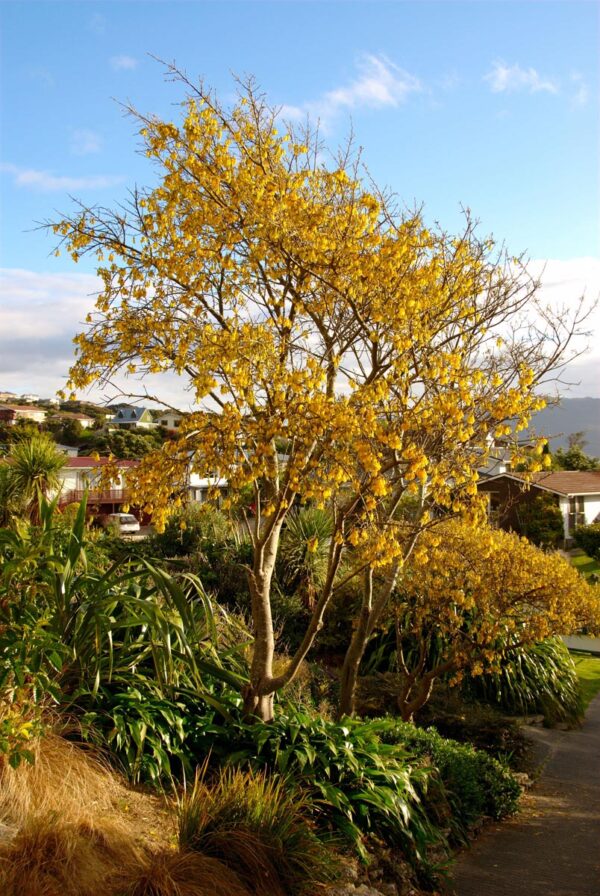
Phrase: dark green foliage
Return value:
(359, 785)
(476, 784)
(574, 458)
(537, 679)
(124, 444)
(304, 550)
(541, 521)
(194, 529)
(588, 539)
(259, 826)
(210, 543)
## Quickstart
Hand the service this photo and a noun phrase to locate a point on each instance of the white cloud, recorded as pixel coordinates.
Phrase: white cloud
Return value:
(123, 63)
(47, 183)
(563, 282)
(380, 83)
(85, 142)
(512, 78)
(581, 93)
(97, 24)
(40, 313)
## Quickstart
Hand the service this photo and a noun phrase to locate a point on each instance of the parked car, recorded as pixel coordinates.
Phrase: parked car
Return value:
(126, 523)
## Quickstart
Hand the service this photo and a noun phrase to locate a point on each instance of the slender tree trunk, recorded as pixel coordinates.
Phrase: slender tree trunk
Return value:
(355, 652)
(370, 614)
(258, 694)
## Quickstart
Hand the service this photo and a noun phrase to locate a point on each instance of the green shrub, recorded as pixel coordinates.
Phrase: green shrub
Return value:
(190, 530)
(259, 826)
(130, 649)
(541, 521)
(304, 551)
(588, 539)
(476, 784)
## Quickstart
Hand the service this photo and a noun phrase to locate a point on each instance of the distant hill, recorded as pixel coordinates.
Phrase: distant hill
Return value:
(572, 415)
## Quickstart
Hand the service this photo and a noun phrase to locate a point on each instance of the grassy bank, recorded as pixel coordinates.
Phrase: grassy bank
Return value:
(588, 672)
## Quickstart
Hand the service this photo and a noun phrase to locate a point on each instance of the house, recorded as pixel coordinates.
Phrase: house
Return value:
(10, 414)
(30, 398)
(63, 417)
(128, 417)
(81, 473)
(169, 419)
(7, 396)
(577, 494)
(199, 486)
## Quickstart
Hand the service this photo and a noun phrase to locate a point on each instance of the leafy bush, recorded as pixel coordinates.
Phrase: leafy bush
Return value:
(537, 679)
(476, 785)
(358, 785)
(192, 530)
(541, 521)
(304, 551)
(259, 826)
(130, 648)
(588, 539)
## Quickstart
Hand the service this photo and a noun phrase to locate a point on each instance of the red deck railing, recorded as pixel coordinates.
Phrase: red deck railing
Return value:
(94, 497)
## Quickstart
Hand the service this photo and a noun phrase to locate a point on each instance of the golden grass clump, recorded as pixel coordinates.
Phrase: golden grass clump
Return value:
(258, 825)
(168, 873)
(63, 778)
(52, 857)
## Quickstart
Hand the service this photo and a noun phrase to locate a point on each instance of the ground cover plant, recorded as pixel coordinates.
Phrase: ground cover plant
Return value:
(70, 826)
(409, 788)
(259, 825)
(476, 785)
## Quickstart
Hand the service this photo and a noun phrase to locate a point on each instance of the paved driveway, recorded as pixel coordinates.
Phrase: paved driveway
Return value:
(552, 847)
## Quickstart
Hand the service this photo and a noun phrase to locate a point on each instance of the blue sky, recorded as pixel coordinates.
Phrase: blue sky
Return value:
(492, 105)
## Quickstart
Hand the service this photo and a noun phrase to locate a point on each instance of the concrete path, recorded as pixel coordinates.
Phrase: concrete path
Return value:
(552, 847)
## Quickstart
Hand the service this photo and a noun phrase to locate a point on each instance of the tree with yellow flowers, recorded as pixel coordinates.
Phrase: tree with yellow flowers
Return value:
(304, 308)
(480, 594)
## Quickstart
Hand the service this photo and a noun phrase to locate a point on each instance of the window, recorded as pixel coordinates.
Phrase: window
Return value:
(576, 512)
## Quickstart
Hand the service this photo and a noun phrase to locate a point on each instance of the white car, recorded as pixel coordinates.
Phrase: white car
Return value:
(126, 523)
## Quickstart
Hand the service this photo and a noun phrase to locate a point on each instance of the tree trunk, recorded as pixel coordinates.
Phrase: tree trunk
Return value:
(258, 706)
(355, 652)
(258, 695)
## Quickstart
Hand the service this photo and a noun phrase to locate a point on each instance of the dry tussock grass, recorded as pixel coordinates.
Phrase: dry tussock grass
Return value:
(70, 827)
(185, 874)
(49, 856)
(63, 779)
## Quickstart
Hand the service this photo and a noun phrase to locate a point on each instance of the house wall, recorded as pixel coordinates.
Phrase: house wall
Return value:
(506, 497)
(81, 478)
(592, 508)
(563, 503)
(170, 421)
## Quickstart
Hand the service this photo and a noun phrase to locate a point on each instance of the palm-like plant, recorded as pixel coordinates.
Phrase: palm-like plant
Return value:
(35, 464)
(304, 552)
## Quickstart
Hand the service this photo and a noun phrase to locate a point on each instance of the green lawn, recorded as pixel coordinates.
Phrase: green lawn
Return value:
(586, 565)
(588, 672)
